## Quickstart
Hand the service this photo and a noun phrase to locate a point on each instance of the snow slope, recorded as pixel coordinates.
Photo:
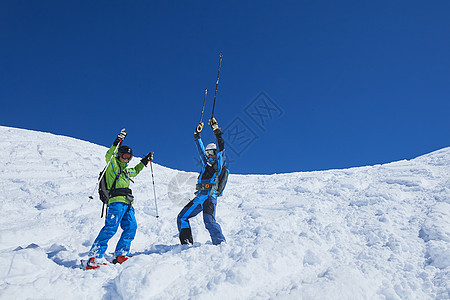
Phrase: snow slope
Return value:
(376, 232)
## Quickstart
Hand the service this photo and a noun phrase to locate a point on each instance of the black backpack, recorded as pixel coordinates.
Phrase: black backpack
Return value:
(222, 179)
(103, 191)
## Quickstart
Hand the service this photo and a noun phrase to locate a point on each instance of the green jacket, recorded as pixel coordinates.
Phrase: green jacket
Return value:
(124, 179)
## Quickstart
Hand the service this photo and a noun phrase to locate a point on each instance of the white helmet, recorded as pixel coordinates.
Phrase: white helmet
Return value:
(211, 149)
(211, 146)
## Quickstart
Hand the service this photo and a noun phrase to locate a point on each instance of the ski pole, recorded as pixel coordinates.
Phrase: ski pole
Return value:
(103, 173)
(103, 208)
(154, 190)
(217, 83)
(200, 125)
(203, 109)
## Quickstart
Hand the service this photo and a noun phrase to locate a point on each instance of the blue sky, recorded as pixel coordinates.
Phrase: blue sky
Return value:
(304, 85)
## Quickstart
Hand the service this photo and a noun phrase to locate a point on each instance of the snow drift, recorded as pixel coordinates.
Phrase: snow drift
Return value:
(375, 232)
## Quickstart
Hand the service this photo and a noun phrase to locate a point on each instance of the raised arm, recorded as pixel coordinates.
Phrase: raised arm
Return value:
(218, 133)
(199, 143)
(120, 137)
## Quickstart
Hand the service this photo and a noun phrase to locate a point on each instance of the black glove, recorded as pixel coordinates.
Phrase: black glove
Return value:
(147, 158)
(213, 123)
(120, 137)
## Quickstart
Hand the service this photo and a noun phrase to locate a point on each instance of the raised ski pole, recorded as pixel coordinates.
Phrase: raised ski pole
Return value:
(103, 173)
(154, 190)
(217, 84)
(200, 125)
(203, 109)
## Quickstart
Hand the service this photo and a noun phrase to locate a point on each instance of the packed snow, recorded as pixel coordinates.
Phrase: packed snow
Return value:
(373, 232)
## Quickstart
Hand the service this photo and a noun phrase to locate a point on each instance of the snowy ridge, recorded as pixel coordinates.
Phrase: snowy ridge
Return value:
(375, 232)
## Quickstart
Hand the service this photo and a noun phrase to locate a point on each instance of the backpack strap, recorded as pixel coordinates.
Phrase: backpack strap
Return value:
(126, 192)
(216, 169)
(113, 186)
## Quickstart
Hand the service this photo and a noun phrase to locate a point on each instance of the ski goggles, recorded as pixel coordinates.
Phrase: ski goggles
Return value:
(127, 156)
(210, 152)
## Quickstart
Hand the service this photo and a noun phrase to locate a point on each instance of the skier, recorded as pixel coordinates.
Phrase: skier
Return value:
(120, 209)
(207, 188)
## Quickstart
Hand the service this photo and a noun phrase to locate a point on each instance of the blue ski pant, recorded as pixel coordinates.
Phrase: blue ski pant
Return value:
(206, 203)
(118, 214)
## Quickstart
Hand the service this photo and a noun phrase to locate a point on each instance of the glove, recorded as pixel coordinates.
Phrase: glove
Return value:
(198, 129)
(147, 158)
(213, 123)
(120, 137)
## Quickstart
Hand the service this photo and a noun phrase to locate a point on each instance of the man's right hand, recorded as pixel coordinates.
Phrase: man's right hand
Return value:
(120, 137)
(199, 127)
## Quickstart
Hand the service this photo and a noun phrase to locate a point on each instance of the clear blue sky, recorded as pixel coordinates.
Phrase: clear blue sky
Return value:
(304, 85)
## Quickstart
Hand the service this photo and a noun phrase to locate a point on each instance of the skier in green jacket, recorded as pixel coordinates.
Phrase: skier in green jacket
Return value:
(120, 209)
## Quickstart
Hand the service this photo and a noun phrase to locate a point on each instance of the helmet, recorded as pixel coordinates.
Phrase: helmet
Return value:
(211, 146)
(211, 149)
(124, 150)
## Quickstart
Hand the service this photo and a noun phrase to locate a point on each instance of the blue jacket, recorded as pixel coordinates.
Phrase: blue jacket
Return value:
(211, 167)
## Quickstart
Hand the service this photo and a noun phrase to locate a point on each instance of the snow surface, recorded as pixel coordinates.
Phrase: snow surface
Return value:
(375, 232)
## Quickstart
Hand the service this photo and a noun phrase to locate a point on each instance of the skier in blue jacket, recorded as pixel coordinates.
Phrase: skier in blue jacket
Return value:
(208, 188)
